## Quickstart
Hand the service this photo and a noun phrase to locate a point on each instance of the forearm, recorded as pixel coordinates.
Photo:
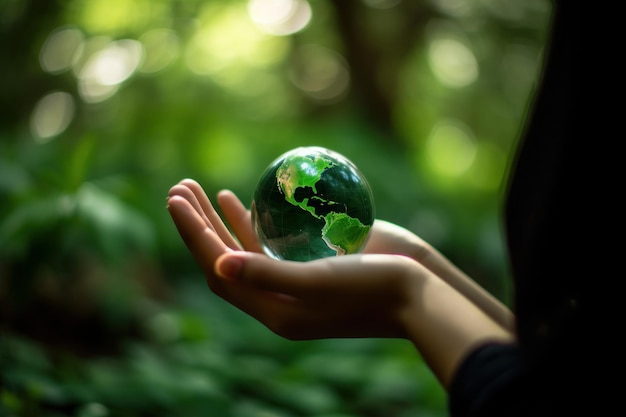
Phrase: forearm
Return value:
(445, 326)
(447, 271)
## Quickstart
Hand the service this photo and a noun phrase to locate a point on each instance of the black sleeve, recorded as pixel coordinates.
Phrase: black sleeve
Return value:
(488, 383)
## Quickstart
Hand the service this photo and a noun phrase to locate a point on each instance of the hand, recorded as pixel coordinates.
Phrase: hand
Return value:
(350, 296)
(368, 295)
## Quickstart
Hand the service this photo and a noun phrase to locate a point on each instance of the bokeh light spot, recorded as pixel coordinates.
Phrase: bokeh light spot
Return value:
(320, 73)
(51, 116)
(450, 149)
(101, 75)
(89, 47)
(60, 49)
(452, 63)
(280, 17)
(161, 48)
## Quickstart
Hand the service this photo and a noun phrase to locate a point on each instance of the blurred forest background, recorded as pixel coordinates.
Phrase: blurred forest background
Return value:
(105, 104)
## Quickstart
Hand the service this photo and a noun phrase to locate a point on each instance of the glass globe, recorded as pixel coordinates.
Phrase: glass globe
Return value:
(311, 203)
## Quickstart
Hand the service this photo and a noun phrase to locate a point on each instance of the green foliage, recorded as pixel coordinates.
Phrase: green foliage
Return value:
(203, 359)
(106, 104)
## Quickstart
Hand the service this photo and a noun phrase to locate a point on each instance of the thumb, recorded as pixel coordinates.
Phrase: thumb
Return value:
(337, 275)
(263, 273)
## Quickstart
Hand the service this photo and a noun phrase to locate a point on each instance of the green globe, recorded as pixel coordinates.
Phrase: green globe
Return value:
(312, 203)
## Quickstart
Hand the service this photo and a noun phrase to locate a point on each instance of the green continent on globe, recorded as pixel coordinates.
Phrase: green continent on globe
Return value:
(300, 171)
(312, 203)
(343, 233)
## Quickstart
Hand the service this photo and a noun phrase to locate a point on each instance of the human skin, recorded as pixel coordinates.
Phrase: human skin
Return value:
(399, 287)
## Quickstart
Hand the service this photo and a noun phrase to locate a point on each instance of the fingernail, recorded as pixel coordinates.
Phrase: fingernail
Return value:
(230, 267)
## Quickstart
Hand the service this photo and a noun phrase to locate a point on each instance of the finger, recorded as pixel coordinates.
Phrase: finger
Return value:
(201, 240)
(186, 193)
(263, 273)
(238, 217)
(338, 276)
(210, 212)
